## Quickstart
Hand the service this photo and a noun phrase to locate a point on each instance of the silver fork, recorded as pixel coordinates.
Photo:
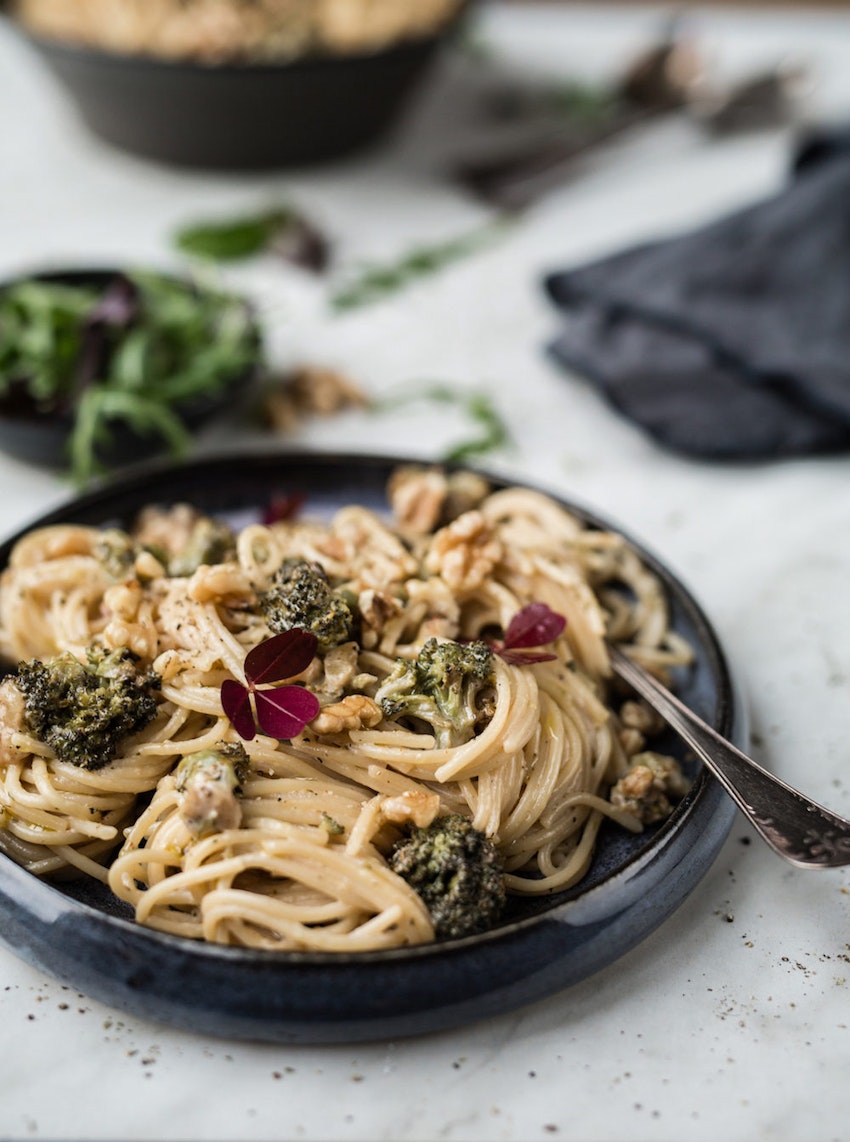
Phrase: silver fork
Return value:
(798, 829)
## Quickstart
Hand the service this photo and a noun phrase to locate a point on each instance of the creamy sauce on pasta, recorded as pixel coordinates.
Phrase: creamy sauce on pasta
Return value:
(535, 778)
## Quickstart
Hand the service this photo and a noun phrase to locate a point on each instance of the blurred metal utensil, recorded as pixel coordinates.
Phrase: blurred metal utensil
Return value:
(658, 82)
(798, 829)
(763, 101)
(671, 77)
(515, 179)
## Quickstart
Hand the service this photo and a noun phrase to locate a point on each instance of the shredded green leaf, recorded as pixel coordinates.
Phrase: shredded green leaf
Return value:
(477, 406)
(40, 338)
(494, 433)
(375, 283)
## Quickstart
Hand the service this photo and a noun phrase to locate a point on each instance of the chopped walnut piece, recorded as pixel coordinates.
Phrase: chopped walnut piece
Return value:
(631, 740)
(424, 499)
(123, 600)
(376, 609)
(311, 391)
(415, 805)
(651, 786)
(140, 638)
(121, 604)
(356, 712)
(359, 539)
(417, 496)
(639, 715)
(221, 582)
(465, 552)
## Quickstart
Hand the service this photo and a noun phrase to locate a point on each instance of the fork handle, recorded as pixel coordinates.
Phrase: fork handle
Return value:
(798, 829)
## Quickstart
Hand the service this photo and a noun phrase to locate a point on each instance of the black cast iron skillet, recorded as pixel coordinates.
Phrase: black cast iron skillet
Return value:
(240, 116)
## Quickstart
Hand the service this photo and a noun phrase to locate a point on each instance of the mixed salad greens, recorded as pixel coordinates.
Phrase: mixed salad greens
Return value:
(114, 355)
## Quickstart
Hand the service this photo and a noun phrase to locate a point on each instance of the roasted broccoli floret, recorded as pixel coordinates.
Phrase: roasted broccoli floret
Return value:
(84, 710)
(210, 542)
(301, 596)
(458, 873)
(209, 782)
(449, 686)
(117, 551)
(650, 787)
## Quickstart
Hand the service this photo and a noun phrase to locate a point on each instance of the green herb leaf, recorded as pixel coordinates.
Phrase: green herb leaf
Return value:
(100, 409)
(477, 406)
(231, 240)
(374, 283)
(40, 339)
(282, 231)
(494, 432)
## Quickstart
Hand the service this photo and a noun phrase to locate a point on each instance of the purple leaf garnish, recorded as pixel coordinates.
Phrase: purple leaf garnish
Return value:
(283, 656)
(236, 703)
(535, 625)
(283, 713)
(116, 308)
(283, 508)
(118, 305)
(524, 657)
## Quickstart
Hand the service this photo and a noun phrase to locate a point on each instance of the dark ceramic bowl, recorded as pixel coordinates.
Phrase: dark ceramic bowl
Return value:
(240, 116)
(41, 438)
(79, 933)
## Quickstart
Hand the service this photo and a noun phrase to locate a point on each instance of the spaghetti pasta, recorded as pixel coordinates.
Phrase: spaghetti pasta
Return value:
(301, 858)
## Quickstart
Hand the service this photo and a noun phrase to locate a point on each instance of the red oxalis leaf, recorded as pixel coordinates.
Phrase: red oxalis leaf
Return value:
(283, 656)
(525, 657)
(283, 508)
(534, 625)
(283, 713)
(236, 703)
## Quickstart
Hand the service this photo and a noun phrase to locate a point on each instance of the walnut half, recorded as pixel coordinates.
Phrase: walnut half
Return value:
(356, 712)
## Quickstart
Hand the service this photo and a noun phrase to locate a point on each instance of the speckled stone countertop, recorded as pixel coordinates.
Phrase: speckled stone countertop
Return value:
(731, 1021)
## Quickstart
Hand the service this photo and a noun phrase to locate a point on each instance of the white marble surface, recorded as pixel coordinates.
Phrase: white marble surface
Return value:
(732, 1020)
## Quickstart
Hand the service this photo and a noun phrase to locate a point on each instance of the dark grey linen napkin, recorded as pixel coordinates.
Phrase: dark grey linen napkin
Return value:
(731, 342)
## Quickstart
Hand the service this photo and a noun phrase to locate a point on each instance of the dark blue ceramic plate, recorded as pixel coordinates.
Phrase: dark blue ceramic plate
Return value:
(81, 935)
